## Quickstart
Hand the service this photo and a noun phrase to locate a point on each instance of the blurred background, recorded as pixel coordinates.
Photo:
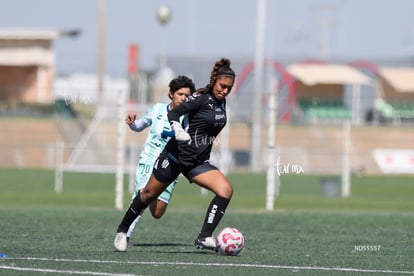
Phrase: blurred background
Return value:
(323, 87)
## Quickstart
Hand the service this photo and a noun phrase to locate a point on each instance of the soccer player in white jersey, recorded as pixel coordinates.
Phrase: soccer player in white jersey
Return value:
(159, 134)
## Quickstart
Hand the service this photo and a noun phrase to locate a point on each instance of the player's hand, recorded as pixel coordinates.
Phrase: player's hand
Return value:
(180, 134)
(130, 119)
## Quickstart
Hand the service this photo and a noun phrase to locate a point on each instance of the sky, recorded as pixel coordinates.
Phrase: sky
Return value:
(218, 28)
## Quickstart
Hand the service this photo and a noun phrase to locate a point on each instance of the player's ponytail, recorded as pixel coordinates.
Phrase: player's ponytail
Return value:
(221, 68)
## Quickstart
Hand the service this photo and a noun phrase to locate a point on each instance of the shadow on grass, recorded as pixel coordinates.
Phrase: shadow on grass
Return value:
(159, 244)
(165, 244)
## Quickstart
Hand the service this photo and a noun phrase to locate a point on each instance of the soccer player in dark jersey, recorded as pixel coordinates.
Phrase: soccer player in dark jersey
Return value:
(188, 153)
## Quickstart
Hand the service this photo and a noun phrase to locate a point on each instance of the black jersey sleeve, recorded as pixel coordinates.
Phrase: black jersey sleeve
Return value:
(193, 103)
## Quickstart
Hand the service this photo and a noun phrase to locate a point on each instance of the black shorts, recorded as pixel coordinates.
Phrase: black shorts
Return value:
(167, 169)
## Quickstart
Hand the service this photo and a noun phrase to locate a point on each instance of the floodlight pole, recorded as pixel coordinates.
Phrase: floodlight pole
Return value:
(101, 49)
(224, 145)
(356, 103)
(256, 131)
(272, 177)
(346, 182)
(120, 145)
(59, 148)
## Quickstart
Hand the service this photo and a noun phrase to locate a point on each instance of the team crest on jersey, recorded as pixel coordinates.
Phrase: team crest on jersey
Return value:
(143, 178)
(165, 163)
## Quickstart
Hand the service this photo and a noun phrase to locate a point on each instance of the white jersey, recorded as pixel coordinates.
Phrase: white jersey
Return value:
(156, 117)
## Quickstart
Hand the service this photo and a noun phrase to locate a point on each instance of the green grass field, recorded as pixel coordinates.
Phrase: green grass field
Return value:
(44, 233)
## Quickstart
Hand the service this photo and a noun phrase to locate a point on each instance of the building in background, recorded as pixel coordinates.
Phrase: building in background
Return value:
(27, 65)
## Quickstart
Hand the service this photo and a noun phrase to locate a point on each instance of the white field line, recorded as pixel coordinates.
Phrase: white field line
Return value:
(223, 265)
(62, 271)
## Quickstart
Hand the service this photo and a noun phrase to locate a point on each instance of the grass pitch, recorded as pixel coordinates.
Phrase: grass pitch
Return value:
(44, 233)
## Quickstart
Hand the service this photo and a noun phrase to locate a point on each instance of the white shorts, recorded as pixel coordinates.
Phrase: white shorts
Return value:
(143, 174)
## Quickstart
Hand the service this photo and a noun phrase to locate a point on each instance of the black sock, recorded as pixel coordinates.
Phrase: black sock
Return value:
(214, 214)
(134, 210)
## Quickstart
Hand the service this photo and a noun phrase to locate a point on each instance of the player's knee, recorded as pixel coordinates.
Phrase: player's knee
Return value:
(225, 190)
(147, 195)
(157, 215)
(229, 192)
(158, 209)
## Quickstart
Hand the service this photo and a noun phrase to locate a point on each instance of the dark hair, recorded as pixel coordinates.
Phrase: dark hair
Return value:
(181, 82)
(221, 68)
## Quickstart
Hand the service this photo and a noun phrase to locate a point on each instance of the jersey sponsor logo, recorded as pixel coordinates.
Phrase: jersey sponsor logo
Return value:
(220, 116)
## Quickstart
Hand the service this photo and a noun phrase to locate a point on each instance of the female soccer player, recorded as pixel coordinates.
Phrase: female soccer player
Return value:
(180, 89)
(188, 153)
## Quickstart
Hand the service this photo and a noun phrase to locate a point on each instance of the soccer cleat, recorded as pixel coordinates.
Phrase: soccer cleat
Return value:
(206, 243)
(120, 242)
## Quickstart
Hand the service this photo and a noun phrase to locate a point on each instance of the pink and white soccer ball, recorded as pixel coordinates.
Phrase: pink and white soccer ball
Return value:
(229, 241)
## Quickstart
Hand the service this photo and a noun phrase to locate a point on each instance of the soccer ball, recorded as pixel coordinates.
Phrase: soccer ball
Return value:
(229, 241)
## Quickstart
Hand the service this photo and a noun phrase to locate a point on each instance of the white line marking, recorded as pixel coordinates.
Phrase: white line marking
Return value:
(223, 264)
(62, 271)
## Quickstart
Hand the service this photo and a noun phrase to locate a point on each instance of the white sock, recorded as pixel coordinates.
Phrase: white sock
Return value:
(132, 226)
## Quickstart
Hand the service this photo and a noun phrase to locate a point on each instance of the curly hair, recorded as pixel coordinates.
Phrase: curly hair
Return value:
(221, 68)
(181, 82)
